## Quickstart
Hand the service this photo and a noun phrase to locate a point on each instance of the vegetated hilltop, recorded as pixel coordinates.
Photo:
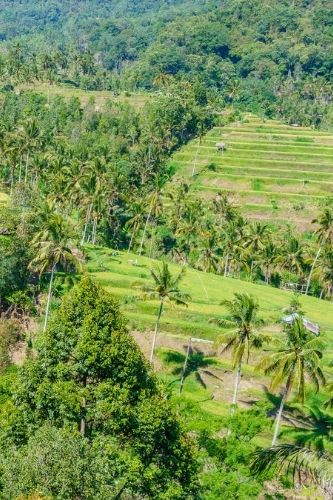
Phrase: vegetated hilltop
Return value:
(261, 55)
(274, 172)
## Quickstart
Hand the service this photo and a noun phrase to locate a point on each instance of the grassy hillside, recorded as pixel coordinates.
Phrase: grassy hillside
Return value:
(124, 273)
(276, 172)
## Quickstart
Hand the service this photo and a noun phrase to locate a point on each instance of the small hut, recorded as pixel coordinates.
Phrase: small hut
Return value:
(309, 325)
(221, 147)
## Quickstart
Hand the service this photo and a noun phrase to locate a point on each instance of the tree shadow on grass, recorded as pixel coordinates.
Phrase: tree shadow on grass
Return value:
(197, 364)
(275, 401)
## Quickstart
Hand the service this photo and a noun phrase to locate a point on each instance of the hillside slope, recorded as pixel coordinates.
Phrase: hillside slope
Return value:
(124, 273)
(275, 172)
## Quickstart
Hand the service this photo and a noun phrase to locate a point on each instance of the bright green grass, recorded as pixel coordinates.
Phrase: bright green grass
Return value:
(137, 100)
(262, 161)
(3, 198)
(121, 277)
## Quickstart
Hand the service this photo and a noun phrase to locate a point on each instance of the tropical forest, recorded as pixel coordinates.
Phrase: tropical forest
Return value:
(166, 250)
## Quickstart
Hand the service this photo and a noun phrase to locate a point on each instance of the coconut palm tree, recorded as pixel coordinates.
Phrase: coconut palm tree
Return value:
(243, 311)
(292, 256)
(209, 257)
(165, 287)
(135, 220)
(224, 208)
(267, 260)
(324, 272)
(324, 234)
(29, 137)
(299, 359)
(53, 248)
(303, 463)
(232, 242)
(155, 204)
(256, 239)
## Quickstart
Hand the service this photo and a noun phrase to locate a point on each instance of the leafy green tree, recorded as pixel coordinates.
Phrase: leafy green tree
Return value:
(299, 360)
(89, 385)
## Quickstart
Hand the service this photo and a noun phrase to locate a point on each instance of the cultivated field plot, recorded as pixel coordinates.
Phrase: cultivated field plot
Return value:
(137, 100)
(275, 172)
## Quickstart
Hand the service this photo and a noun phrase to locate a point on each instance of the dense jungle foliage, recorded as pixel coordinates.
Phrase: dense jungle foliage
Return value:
(270, 57)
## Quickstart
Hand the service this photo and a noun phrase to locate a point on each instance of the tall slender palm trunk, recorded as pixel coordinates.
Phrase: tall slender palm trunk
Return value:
(145, 230)
(280, 412)
(189, 347)
(135, 228)
(156, 330)
(312, 269)
(26, 168)
(49, 296)
(226, 265)
(237, 381)
(94, 232)
(83, 239)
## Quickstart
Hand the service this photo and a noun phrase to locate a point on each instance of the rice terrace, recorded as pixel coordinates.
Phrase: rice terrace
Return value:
(275, 172)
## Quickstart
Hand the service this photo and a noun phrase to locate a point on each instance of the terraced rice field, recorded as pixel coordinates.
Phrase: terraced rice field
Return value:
(275, 172)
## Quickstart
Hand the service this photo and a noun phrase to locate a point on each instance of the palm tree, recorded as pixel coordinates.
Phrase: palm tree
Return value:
(292, 256)
(225, 210)
(135, 220)
(325, 236)
(324, 272)
(268, 260)
(165, 287)
(52, 246)
(29, 137)
(155, 204)
(256, 239)
(303, 463)
(209, 257)
(297, 360)
(232, 239)
(243, 310)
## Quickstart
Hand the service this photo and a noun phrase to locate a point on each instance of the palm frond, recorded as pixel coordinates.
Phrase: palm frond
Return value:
(302, 463)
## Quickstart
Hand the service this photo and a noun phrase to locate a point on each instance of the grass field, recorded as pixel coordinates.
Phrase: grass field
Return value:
(122, 275)
(3, 198)
(136, 100)
(275, 172)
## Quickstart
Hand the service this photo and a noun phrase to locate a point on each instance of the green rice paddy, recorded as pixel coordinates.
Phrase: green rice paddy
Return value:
(275, 172)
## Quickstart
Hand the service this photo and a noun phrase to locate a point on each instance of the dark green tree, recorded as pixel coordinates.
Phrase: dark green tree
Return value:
(90, 379)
